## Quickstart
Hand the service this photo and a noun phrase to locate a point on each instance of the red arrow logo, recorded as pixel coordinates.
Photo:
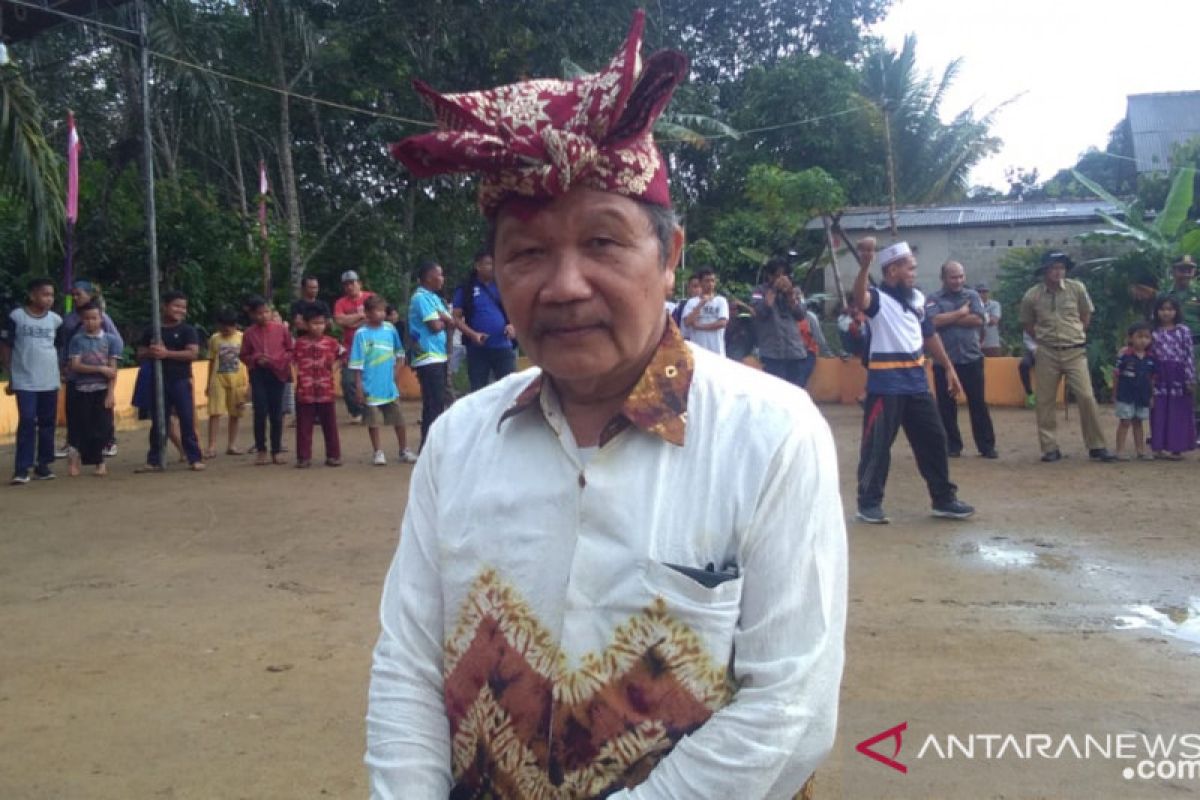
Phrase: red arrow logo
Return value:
(896, 733)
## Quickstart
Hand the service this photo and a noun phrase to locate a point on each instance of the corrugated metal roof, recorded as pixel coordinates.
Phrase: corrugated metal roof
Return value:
(1158, 122)
(972, 215)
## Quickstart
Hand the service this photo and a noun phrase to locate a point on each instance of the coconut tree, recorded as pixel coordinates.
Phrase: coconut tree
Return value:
(30, 170)
(933, 159)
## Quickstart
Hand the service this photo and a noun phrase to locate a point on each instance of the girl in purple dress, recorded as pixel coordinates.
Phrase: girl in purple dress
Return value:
(1172, 420)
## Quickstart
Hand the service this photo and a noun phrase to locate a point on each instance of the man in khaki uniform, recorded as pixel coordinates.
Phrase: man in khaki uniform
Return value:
(1056, 314)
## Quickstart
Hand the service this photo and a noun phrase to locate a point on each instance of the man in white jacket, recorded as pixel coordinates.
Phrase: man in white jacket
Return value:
(622, 574)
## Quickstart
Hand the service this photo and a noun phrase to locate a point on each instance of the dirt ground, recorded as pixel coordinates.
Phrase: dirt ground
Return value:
(209, 635)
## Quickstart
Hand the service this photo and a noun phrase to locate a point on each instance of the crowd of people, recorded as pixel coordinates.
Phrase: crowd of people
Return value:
(283, 369)
(260, 365)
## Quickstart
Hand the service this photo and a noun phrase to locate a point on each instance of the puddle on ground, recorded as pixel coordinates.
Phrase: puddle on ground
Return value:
(1006, 555)
(1177, 622)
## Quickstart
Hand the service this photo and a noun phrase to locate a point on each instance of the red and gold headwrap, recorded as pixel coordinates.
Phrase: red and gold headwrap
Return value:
(540, 138)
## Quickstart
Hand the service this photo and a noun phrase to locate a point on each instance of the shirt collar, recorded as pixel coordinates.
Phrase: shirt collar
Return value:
(657, 404)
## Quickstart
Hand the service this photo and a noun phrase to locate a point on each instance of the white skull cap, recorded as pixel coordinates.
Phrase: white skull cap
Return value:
(894, 252)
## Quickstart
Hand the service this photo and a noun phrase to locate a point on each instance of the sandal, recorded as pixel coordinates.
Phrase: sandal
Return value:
(277, 458)
(333, 462)
(262, 459)
(234, 451)
(1145, 457)
(209, 455)
(148, 468)
(303, 464)
(197, 466)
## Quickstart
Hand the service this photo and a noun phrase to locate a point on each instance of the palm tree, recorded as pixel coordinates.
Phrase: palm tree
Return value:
(933, 159)
(30, 170)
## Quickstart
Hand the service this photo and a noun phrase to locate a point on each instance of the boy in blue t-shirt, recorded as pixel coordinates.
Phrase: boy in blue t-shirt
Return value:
(1133, 389)
(375, 358)
(92, 355)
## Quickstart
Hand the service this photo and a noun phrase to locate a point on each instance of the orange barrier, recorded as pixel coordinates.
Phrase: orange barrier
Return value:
(833, 381)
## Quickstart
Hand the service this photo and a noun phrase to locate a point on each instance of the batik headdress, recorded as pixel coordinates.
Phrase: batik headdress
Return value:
(540, 138)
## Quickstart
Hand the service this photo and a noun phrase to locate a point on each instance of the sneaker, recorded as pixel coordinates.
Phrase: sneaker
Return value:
(380, 458)
(1101, 454)
(42, 472)
(953, 509)
(872, 516)
(62, 452)
(1031, 400)
(1053, 455)
(990, 453)
(408, 456)
(20, 478)
(111, 450)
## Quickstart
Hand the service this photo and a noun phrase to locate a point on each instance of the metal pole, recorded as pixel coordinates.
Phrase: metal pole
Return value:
(151, 231)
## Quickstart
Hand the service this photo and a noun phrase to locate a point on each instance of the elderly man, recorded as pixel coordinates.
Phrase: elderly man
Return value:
(958, 315)
(556, 622)
(1056, 313)
(897, 389)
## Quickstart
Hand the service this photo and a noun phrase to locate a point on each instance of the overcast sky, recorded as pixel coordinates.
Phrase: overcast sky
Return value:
(1074, 60)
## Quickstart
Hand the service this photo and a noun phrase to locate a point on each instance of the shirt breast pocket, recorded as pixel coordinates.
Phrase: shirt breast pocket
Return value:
(709, 612)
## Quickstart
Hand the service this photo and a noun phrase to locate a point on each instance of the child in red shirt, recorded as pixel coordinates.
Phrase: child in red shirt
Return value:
(315, 354)
(267, 353)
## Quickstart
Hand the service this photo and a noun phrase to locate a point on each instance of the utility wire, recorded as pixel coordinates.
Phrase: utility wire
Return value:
(358, 109)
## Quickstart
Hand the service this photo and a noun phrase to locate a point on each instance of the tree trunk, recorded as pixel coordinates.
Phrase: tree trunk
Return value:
(287, 172)
(239, 181)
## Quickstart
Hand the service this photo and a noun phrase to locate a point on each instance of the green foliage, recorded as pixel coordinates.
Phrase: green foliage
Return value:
(30, 171)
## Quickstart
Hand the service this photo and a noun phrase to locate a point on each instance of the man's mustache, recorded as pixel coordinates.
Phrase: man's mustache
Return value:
(552, 321)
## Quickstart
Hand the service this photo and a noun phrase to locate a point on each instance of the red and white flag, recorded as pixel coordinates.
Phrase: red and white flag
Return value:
(74, 146)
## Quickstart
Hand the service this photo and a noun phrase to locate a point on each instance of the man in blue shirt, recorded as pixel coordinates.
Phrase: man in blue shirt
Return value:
(479, 314)
(428, 321)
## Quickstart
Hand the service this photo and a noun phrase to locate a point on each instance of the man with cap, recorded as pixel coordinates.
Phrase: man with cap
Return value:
(348, 315)
(989, 336)
(556, 623)
(1056, 313)
(897, 387)
(1183, 271)
(958, 315)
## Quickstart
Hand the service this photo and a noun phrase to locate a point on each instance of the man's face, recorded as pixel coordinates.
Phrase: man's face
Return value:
(1055, 273)
(583, 281)
(80, 296)
(434, 280)
(175, 311)
(1183, 276)
(693, 287)
(351, 288)
(708, 284)
(902, 273)
(311, 288)
(985, 295)
(42, 298)
(485, 268)
(953, 277)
